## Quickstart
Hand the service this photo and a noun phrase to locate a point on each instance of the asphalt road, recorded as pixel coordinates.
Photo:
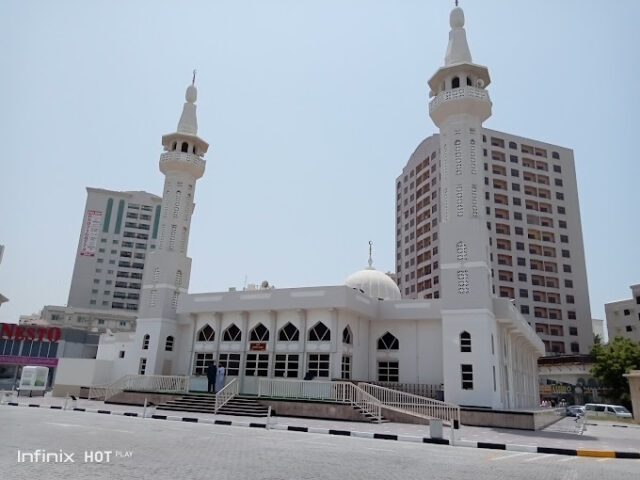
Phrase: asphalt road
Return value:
(157, 449)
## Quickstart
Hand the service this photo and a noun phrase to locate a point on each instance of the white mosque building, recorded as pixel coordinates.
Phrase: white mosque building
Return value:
(475, 345)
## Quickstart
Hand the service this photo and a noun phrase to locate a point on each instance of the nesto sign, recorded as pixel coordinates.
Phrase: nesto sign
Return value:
(21, 332)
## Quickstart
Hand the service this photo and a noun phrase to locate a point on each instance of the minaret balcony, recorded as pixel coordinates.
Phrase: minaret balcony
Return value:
(182, 161)
(476, 101)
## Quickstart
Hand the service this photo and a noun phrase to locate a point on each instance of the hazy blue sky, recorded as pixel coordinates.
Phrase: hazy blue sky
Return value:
(311, 109)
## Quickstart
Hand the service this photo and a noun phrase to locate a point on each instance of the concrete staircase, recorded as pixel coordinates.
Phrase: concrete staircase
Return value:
(240, 406)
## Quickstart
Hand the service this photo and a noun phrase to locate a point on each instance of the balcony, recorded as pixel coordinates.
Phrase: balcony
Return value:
(456, 94)
(190, 162)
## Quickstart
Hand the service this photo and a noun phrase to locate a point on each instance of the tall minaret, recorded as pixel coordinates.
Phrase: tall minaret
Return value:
(168, 268)
(469, 327)
(459, 107)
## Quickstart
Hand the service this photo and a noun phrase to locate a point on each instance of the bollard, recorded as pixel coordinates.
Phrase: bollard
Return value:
(435, 428)
(144, 411)
(269, 418)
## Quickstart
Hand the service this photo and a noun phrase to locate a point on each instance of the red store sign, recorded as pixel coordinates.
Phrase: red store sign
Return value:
(24, 332)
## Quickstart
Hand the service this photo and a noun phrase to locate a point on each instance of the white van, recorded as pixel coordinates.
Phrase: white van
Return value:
(604, 410)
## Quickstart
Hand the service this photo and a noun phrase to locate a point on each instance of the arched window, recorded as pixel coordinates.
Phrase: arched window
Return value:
(193, 150)
(347, 337)
(319, 333)
(174, 300)
(455, 83)
(185, 147)
(178, 278)
(289, 333)
(388, 342)
(232, 334)
(465, 342)
(168, 344)
(174, 145)
(259, 334)
(469, 81)
(145, 342)
(206, 334)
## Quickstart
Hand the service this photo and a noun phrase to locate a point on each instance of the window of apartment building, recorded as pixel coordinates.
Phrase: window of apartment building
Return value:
(519, 246)
(517, 215)
(575, 347)
(257, 365)
(466, 371)
(573, 331)
(562, 224)
(96, 281)
(92, 302)
(571, 315)
(568, 283)
(566, 254)
(101, 250)
(515, 173)
(345, 368)
(557, 169)
(559, 196)
(465, 342)
(518, 230)
(103, 240)
(570, 299)
(286, 365)
(558, 182)
(524, 293)
(561, 210)
(566, 268)
(521, 261)
(388, 371)
(564, 238)
(522, 277)
(627, 312)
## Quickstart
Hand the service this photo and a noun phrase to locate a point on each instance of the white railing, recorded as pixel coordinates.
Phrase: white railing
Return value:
(412, 404)
(340, 392)
(420, 389)
(229, 391)
(462, 92)
(145, 383)
(98, 392)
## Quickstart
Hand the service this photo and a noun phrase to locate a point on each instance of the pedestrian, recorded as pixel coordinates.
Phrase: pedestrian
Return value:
(212, 372)
(220, 379)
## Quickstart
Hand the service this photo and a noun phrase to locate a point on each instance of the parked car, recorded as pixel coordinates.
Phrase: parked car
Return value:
(575, 410)
(604, 410)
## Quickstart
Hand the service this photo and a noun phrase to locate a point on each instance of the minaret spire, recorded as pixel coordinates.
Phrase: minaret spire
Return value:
(370, 258)
(188, 121)
(458, 48)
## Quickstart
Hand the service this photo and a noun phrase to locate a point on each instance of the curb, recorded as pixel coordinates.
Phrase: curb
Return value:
(349, 433)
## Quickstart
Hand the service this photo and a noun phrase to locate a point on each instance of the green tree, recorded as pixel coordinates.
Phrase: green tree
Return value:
(611, 361)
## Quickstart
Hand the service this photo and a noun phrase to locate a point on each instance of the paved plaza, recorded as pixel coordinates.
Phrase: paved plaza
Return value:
(115, 446)
(156, 449)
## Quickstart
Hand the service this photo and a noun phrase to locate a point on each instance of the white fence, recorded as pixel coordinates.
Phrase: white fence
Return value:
(412, 404)
(141, 383)
(421, 389)
(341, 392)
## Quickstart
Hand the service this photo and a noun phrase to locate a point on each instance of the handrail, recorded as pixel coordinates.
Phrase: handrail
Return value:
(144, 383)
(342, 392)
(412, 404)
(97, 392)
(229, 391)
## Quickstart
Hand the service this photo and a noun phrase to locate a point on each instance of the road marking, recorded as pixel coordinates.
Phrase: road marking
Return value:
(504, 457)
(568, 459)
(602, 460)
(533, 459)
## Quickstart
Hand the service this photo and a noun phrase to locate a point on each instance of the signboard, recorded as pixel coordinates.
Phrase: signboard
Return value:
(554, 389)
(23, 332)
(89, 239)
(257, 347)
(39, 361)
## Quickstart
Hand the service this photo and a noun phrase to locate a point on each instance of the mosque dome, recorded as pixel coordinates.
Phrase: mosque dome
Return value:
(374, 283)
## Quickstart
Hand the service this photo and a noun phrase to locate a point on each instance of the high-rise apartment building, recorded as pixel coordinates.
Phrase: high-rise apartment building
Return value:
(530, 202)
(119, 229)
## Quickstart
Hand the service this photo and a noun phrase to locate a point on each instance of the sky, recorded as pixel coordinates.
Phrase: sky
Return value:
(311, 110)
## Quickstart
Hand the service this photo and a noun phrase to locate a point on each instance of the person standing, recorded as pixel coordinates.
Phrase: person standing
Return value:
(212, 372)
(219, 379)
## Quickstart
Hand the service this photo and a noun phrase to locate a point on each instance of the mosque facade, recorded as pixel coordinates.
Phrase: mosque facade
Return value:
(475, 347)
